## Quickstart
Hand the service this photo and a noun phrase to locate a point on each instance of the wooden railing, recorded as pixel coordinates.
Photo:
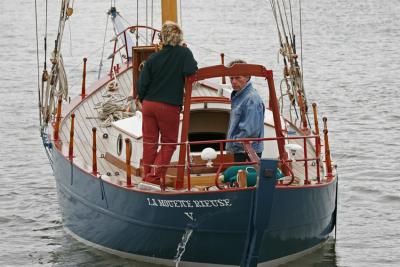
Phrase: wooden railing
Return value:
(188, 165)
(124, 47)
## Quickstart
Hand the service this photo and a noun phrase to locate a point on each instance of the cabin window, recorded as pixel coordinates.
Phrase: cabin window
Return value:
(208, 125)
(119, 144)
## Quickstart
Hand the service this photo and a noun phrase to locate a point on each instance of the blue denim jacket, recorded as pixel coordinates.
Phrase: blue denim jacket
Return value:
(246, 119)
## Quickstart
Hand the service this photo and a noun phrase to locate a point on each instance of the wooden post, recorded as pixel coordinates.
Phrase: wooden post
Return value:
(94, 150)
(327, 150)
(314, 105)
(223, 63)
(306, 181)
(184, 133)
(71, 138)
(58, 119)
(134, 80)
(128, 162)
(318, 153)
(273, 102)
(83, 93)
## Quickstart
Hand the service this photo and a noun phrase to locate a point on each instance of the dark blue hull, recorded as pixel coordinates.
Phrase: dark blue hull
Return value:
(149, 226)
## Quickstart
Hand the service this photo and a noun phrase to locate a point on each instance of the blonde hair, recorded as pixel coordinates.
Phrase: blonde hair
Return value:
(236, 61)
(171, 33)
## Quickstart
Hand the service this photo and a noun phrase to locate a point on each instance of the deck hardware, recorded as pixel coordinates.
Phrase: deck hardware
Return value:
(119, 144)
(116, 173)
(105, 135)
(102, 155)
(71, 137)
(94, 151)
(108, 174)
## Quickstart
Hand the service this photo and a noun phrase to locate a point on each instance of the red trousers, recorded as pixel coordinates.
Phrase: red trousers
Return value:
(158, 119)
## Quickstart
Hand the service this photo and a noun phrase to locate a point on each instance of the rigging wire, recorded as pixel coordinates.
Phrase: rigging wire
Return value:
(283, 24)
(137, 21)
(152, 12)
(45, 41)
(287, 21)
(38, 64)
(301, 63)
(291, 20)
(104, 44)
(301, 45)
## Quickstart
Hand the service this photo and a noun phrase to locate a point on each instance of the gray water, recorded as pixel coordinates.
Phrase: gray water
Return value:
(351, 66)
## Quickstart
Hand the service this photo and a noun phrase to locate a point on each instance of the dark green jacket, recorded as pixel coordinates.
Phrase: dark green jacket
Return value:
(163, 76)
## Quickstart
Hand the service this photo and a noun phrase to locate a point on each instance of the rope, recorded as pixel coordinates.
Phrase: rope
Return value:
(288, 51)
(113, 107)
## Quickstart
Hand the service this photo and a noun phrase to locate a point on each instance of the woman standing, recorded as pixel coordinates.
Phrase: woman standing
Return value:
(160, 90)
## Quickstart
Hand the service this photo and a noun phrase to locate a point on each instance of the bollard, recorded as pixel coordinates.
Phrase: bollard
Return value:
(94, 149)
(327, 150)
(58, 119)
(71, 138)
(83, 93)
(128, 162)
(223, 63)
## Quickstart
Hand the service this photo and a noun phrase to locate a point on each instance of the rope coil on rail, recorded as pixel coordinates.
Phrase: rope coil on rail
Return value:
(114, 107)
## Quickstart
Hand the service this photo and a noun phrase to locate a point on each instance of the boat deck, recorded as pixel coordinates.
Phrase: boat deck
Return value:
(87, 117)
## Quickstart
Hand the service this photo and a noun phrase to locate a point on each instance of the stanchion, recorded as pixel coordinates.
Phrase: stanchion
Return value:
(314, 106)
(83, 93)
(327, 150)
(58, 119)
(71, 138)
(223, 63)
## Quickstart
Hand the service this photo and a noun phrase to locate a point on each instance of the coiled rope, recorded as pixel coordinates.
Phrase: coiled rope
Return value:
(114, 107)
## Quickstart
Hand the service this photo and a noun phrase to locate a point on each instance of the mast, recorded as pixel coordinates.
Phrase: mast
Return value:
(169, 11)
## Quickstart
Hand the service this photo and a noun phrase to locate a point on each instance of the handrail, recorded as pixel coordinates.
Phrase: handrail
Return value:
(189, 166)
(235, 70)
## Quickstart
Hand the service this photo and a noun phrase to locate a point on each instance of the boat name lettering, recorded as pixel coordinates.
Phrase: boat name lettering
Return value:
(211, 203)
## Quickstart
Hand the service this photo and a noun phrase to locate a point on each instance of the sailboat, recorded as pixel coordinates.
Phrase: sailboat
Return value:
(209, 210)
